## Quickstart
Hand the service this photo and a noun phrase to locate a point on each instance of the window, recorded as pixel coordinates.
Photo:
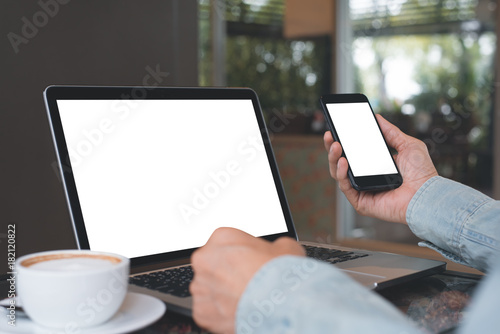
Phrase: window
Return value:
(428, 66)
(289, 75)
(244, 43)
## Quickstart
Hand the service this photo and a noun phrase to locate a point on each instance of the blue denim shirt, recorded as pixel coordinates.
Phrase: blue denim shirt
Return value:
(299, 295)
(457, 221)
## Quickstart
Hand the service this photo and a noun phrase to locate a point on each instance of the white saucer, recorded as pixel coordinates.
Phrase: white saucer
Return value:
(137, 311)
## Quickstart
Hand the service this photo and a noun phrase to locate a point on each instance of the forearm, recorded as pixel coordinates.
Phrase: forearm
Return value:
(459, 222)
(300, 295)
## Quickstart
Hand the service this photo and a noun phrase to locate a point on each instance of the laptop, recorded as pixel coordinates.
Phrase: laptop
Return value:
(151, 172)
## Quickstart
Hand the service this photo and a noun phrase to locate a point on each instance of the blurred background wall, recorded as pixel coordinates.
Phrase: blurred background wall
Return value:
(91, 42)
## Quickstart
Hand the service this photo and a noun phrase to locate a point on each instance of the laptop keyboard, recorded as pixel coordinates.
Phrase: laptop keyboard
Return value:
(176, 281)
(172, 281)
(332, 255)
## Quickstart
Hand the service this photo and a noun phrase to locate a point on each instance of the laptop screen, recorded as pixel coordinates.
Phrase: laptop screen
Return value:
(155, 176)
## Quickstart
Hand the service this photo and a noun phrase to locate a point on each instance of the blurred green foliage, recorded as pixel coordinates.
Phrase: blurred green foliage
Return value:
(453, 109)
(287, 74)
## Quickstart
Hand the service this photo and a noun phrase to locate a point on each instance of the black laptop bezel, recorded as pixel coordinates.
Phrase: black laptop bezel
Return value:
(54, 93)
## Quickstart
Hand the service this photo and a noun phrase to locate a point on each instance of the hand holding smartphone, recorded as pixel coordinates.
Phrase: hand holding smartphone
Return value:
(353, 124)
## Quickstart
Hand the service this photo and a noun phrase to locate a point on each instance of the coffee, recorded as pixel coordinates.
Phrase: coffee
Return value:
(70, 262)
(72, 289)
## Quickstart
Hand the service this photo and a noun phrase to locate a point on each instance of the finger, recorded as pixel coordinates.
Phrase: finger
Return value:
(228, 236)
(395, 138)
(198, 260)
(328, 140)
(333, 158)
(195, 287)
(286, 245)
(203, 311)
(345, 185)
(341, 176)
(200, 295)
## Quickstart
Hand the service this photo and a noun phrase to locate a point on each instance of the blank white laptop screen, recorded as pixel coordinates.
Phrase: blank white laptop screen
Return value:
(162, 175)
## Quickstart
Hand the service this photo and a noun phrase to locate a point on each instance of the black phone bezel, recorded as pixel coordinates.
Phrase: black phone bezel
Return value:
(361, 183)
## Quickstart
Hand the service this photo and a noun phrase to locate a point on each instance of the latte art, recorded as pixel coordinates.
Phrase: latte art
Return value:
(77, 264)
(70, 262)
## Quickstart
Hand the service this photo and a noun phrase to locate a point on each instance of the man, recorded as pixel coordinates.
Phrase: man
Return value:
(247, 285)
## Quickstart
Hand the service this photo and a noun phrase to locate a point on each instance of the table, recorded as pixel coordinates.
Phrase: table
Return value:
(435, 304)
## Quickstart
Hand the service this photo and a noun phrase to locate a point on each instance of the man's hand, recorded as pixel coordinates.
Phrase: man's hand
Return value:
(222, 270)
(413, 161)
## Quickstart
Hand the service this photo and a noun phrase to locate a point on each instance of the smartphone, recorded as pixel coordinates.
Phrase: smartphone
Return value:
(353, 124)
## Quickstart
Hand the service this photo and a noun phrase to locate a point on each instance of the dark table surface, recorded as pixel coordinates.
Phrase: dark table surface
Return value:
(435, 304)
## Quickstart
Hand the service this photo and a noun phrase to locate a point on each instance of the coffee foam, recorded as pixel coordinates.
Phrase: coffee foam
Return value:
(70, 262)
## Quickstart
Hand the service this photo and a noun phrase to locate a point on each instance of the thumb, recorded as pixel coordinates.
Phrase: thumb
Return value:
(395, 138)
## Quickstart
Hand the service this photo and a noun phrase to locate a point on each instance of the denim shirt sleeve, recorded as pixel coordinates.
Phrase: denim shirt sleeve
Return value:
(293, 294)
(457, 221)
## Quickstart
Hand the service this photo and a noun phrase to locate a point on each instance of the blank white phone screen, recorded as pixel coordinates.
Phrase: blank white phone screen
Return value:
(361, 139)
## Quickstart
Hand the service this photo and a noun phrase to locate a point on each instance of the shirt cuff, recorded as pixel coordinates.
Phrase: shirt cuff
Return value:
(455, 220)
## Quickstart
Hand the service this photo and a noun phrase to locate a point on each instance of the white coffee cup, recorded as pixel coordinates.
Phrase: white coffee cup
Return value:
(72, 289)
